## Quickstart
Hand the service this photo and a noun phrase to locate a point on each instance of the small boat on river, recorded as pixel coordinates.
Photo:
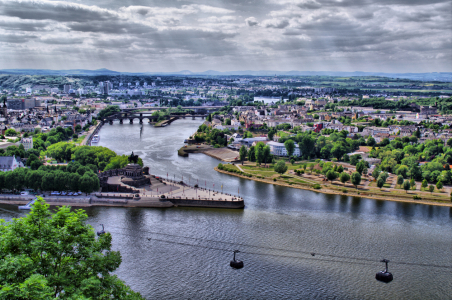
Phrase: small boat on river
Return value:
(95, 139)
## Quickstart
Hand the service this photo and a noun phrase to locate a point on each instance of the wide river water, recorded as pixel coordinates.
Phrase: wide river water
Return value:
(188, 254)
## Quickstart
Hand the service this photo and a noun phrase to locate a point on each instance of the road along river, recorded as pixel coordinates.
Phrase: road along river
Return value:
(190, 248)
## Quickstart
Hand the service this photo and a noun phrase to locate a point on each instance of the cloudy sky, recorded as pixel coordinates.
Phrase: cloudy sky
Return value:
(227, 35)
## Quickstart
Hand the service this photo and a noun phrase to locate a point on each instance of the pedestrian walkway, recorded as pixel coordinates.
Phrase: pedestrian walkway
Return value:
(176, 189)
(394, 183)
(240, 168)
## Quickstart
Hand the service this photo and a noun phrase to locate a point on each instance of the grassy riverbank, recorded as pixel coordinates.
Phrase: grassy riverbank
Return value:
(310, 182)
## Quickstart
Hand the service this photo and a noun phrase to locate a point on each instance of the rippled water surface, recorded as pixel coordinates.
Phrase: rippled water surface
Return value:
(188, 254)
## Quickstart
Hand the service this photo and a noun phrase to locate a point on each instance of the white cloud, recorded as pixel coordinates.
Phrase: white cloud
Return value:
(251, 21)
(275, 23)
(209, 9)
(223, 19)
(351, 34)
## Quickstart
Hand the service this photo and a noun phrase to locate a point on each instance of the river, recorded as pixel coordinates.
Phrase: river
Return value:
(188, 254)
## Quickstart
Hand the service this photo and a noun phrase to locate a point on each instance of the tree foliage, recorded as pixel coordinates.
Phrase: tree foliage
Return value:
(10, 132)
(439, 185)
(280, 167)
(344, 177)
(331, 175)
(243, 152)
(108, 111)
(52, 178)
(356, 179)
(406, 185)
(290, 147)
(57, 256)
(380, 182)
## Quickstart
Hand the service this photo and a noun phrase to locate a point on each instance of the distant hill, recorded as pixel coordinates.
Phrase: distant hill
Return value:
(434, 76)
(59, 72)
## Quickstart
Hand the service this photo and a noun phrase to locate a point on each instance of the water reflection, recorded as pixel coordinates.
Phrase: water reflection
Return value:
(379, 206)
(343, 207)
(430, 213)
(356, 206)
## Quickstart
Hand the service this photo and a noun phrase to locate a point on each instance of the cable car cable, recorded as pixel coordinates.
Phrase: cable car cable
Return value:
(361, 261)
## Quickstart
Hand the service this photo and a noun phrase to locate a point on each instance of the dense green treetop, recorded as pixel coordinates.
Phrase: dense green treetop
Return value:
(73, 177)
(280, 167)
(57, 256)
(109, 110)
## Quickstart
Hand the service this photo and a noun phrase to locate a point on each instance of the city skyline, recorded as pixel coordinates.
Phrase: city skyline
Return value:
(170, 36)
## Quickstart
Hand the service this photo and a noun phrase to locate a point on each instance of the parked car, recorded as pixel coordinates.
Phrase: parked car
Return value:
(70, 194)
(63, 193)
(24, 193)
(55, 193)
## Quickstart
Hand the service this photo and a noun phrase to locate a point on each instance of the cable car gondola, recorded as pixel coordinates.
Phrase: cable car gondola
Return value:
(99, 233)
(384, 276)
(236, 264)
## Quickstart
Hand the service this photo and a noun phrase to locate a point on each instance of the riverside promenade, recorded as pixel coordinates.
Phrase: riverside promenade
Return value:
(159, 194)
(181, 194)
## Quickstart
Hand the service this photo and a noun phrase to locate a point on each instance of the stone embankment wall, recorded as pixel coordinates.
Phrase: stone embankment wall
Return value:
(208, 203)
(110, 200)
(85, 200)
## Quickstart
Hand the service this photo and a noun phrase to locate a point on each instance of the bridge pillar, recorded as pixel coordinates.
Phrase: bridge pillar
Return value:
(120, 121)
(110, 122)
(130, 121)
(141, 120)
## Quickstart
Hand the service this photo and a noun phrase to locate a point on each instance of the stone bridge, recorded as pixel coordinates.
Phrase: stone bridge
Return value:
(141, 115)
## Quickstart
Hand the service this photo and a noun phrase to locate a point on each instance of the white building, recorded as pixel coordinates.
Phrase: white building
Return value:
(9, 163)
(135, 92)
(279, 149)
(27, 142)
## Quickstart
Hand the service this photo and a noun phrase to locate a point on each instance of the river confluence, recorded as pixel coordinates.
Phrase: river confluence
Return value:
(188, 254)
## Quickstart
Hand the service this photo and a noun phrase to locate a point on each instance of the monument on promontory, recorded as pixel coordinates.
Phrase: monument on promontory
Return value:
(123, 180)
(134, 176)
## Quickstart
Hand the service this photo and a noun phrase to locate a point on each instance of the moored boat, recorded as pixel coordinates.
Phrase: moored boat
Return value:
(95, 139)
